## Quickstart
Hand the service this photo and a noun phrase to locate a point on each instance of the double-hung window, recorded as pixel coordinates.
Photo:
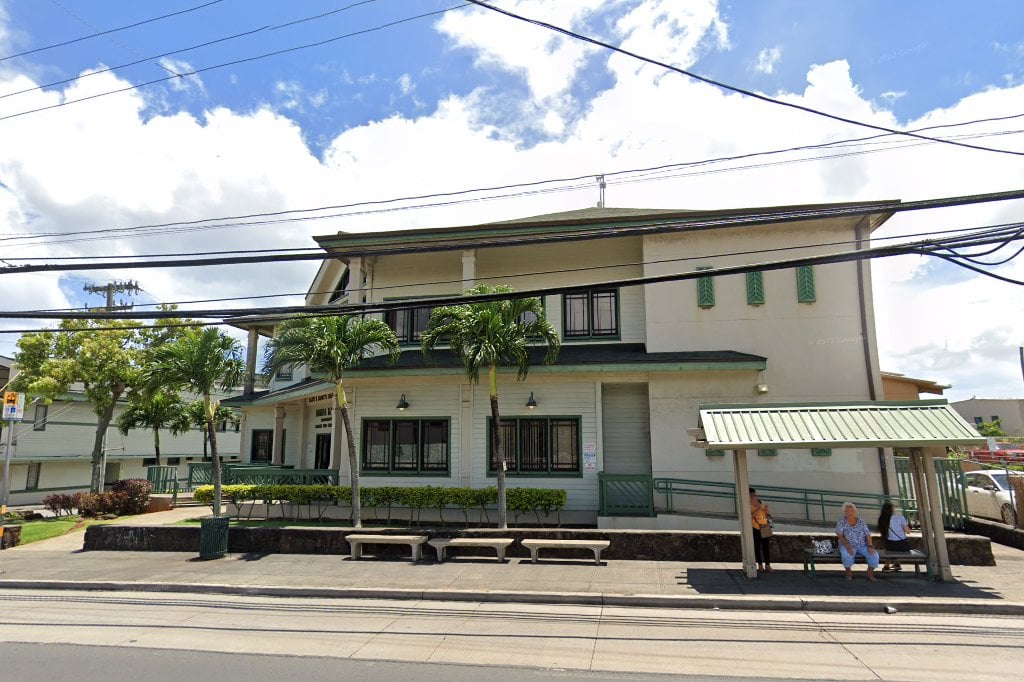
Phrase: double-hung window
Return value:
(529, 445)
(406, 446)
(408, 323)
(592, 314)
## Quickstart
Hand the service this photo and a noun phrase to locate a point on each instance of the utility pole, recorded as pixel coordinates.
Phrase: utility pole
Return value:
(601, 184)
(116, 287)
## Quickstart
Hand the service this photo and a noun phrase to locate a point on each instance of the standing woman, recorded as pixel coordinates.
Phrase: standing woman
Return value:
(855, 538)
(762, 532)
(893, 529)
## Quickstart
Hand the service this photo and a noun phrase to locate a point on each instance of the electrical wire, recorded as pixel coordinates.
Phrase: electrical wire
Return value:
(109, 31)
(235, 62)
(725, 86)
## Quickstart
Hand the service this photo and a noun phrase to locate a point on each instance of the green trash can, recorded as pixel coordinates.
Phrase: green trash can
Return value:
(213, 537)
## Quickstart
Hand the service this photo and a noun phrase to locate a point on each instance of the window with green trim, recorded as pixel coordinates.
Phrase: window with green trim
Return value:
(705, 289)
(408, 323)
(767, 452)
(713, 452)
(406, 446)
(532, 445)
(805, 284)
(591, 315)
(821, 452)
(755, 288)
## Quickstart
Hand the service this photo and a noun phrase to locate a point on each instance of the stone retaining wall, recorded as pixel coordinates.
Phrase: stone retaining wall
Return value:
(997, 532)
(967, 550)
(11, 538)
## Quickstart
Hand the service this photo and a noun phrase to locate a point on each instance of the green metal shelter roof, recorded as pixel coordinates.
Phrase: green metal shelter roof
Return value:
(918, 423)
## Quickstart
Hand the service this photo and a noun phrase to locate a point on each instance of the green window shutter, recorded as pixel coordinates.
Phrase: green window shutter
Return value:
(821, 452)
(705, 290)
(805, 284)
(715, 453)
(769, 452)
(755, 288)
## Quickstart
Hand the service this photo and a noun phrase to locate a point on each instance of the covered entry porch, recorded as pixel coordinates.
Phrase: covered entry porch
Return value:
(924, 428)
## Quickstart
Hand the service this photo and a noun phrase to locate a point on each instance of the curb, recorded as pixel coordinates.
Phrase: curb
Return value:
(753, 603)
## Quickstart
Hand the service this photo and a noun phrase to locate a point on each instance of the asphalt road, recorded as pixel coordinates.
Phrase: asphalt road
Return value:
(47, 635)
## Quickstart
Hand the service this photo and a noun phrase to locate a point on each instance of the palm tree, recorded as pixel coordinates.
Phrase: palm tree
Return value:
(156, 411)
(489, 335)
(194, 414)
(199, 361)
(330, 346)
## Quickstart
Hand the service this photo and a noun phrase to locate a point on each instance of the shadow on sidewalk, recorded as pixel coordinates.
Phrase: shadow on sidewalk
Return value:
(828, 583)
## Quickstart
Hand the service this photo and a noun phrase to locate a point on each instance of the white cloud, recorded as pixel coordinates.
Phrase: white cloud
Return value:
(111, 162)
(767, 59)
(182, 82)
(890, 96)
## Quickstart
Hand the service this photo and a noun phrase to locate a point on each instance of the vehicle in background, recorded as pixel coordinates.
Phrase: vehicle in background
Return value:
(1003, 452)
(989, 494)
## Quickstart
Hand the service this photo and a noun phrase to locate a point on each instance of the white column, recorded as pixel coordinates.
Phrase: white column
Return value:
(303, 460)
(278, 442)
(249, 382)
(466, 453)
(739, 458)
(938, 529)
(468, 269)
(923, 506)
(355, 280)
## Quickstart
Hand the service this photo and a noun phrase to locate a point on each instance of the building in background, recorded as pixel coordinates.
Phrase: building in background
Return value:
(1008, 411)
(897, 386)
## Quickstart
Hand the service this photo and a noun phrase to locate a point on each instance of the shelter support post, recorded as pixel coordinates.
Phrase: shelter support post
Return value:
(739, 458)
(278, 442)
(921, 491)
(943, 572)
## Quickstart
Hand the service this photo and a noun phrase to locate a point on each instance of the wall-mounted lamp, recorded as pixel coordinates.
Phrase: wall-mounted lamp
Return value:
(762, 388)
(403, 404)
(531, 403)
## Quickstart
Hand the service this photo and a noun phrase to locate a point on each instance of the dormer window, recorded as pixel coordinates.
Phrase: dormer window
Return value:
(341, 290)
(591, 315)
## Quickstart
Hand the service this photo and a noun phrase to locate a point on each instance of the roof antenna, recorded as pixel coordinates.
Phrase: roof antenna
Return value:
(601, 185)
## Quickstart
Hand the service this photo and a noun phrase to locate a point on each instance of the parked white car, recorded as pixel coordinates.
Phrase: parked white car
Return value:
(988, 495)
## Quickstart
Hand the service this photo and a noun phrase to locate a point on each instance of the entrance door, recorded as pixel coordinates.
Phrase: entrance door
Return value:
(322, 451)
(625, 411)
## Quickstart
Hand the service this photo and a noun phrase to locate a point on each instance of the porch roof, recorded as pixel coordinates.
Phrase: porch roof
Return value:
(615, 357)
(917, 424)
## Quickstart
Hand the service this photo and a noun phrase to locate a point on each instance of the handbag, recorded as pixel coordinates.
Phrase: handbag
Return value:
(823, 547)
(766, 531)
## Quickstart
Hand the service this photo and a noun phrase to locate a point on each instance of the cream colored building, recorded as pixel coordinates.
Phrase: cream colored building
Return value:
(636, 360)
(53, 450)
(1009, 412)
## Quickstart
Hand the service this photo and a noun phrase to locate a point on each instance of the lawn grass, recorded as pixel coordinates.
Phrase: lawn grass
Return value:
(281, 523)
(44, 529)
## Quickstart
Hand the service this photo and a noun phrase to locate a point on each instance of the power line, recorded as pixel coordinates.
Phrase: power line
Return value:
(730, 88)
(266, 27)
(199, 224)
(536, 273)
(234, 62)
(109, 31)
(928, 247)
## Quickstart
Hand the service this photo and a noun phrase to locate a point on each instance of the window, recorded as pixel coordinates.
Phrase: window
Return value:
(547, 445)
(262, 445)
(408, 323)
(149, 461)
(39, 419)
(755, 288)
(173, 461)
(285, 373)
(406, 446)
(32, 480)
(821, 452)
(341, 290)
(592, 314)
(805, 284)
(994, 419)
(705, 289)
(977, 420)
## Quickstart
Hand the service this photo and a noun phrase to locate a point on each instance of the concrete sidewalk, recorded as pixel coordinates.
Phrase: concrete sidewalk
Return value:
(59, 563)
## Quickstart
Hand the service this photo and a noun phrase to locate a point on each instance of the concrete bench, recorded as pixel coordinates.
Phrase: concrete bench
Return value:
(594, 545)
(415, 543)
(914, 557)
(499, 545)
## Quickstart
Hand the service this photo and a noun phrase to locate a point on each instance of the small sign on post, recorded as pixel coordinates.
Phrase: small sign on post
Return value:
(14, 406)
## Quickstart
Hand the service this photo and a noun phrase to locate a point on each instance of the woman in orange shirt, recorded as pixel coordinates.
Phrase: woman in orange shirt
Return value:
(759, 517)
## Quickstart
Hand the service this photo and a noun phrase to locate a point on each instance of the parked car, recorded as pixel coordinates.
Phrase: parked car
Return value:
(1005, 452)
(988, 494)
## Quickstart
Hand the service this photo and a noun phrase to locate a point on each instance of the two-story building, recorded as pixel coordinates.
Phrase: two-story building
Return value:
(636, 361)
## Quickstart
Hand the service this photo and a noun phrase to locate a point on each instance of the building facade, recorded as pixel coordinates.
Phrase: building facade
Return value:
(636, 360)
(1009, 412)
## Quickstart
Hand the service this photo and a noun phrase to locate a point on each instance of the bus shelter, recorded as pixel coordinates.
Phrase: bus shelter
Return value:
(924, 427)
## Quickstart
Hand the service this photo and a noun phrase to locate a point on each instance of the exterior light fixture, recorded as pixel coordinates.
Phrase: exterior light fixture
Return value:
(403, 404)
(531, 403)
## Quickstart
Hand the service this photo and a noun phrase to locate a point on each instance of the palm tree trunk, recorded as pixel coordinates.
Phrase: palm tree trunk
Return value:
(156, 445)
(215, 458)
(492, 376)
(353, 461)
(206, 439)
(96, 483)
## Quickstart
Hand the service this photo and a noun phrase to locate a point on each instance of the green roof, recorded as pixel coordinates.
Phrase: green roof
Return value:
(918, 423)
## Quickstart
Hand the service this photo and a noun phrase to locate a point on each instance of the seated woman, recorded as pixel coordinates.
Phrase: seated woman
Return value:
(855, 538)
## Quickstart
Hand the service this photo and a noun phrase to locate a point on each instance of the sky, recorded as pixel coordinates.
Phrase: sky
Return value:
(468, 98)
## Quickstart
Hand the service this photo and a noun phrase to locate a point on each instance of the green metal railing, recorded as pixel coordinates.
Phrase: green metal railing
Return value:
(951, 490)
(236, 473)
(625, 495)
(164, 479)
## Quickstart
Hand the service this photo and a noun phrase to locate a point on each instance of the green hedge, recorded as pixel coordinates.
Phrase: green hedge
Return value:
(539, 501)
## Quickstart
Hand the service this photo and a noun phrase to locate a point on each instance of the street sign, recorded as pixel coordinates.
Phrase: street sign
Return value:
(14, 406)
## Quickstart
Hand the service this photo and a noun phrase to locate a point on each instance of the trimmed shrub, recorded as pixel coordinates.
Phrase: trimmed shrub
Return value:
(60, 504)
(131, 496)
